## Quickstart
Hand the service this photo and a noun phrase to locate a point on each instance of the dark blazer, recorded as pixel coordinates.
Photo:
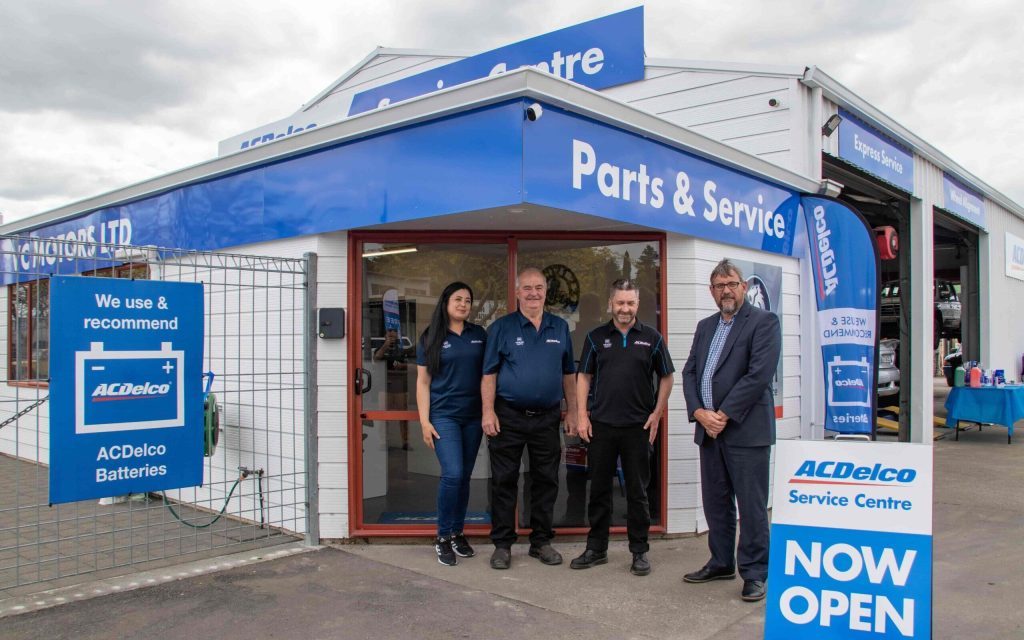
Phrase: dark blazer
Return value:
(741, 386)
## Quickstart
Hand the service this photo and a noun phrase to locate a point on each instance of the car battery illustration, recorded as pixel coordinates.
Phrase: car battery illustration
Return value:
(129, 390)
(849, 383)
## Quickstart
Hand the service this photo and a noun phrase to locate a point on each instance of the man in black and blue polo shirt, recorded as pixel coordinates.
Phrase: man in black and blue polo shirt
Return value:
(528, 369)
(621, 360)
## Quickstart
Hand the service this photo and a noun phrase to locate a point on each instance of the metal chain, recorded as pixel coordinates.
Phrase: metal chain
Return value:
(23, 412)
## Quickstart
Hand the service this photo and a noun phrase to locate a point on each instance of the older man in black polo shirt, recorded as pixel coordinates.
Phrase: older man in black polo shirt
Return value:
(622, 360)
(528, 368)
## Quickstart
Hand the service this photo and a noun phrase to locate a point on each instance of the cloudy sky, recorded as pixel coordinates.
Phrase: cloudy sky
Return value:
(97, 95)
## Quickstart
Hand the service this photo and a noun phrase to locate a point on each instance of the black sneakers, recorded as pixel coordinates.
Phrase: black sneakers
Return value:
(461, 546)
(445, 553)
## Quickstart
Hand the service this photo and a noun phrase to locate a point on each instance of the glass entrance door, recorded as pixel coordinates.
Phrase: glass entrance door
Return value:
(400, 280)
(400, 285)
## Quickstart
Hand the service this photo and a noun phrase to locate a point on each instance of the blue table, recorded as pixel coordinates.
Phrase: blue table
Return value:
(998, 405)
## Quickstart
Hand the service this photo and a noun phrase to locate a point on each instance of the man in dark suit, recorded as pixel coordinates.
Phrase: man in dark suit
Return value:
(727, 383)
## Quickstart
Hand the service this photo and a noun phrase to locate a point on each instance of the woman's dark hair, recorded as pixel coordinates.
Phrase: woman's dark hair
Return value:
(436, 331)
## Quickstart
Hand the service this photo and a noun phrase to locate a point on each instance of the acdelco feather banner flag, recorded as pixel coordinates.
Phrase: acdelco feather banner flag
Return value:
(845, 268)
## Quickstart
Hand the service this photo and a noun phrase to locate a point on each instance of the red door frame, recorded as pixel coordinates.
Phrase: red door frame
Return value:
(357, 528)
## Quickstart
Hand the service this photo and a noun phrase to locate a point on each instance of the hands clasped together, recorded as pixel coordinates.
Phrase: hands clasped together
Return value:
(712, 421)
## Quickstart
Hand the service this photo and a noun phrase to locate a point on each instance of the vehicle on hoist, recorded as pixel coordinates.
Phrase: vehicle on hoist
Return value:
(946, 322)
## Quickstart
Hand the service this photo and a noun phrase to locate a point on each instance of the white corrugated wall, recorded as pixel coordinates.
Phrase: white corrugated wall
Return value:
(1001, 306)
(728, 106)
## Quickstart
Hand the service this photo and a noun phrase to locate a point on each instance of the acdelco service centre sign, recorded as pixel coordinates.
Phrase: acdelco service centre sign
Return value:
(851, 541)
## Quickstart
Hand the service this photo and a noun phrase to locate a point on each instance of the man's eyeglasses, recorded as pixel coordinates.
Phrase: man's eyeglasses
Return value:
(720, 286)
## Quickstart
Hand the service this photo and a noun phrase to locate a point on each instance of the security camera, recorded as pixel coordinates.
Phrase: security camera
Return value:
(534, 112)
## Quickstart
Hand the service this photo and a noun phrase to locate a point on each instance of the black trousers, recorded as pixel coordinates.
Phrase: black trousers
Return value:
(732, 476)
(607, 445)
(539, 434)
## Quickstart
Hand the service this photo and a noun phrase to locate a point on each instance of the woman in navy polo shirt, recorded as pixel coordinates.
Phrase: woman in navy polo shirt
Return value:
(449, 359)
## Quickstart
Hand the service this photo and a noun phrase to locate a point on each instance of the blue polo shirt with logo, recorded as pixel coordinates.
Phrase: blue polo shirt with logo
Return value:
(529, 362)
(626, 369)
(455, 389)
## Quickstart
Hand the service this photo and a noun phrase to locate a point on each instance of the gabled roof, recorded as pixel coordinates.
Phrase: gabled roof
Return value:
(373, 57)
(686, 65)
(715, 66)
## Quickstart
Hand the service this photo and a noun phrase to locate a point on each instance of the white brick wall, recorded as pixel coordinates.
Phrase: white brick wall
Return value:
(332, 392)
(253, 343)
(688, 263)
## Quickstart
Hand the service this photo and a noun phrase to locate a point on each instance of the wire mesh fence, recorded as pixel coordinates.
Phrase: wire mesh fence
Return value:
(256, 346)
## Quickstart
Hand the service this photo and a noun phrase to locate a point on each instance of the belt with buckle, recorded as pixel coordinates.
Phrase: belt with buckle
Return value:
(529, 413)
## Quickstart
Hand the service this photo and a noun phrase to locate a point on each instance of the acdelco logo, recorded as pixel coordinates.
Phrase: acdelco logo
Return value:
(850, 382)
(271, 136)
(128, 391)
(826, 255)
(828, 471)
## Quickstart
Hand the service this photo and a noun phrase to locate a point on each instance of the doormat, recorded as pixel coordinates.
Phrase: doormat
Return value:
(428, 517)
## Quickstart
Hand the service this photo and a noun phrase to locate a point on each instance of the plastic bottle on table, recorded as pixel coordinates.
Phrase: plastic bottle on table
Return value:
(974, 378)
(959, 376)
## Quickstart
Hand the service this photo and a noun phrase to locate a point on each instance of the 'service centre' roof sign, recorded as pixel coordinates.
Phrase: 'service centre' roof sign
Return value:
(600, 53)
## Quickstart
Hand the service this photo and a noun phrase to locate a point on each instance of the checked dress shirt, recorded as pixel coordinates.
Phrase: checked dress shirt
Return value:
(717, 342)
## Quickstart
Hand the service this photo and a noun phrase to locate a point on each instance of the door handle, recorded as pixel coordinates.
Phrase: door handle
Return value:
(362, 376)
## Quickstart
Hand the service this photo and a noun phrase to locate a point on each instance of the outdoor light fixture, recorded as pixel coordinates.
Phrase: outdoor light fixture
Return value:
(389, 252)
(831, 125)
(830, 188)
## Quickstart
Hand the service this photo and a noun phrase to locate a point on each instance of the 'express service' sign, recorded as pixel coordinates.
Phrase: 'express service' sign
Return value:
(851, 552)
(866, 148)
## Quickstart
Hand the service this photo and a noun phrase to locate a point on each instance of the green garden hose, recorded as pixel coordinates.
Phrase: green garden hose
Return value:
(245, 473)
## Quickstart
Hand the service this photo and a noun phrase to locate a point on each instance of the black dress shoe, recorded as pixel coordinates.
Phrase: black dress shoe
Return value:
(546, 554)
(501, 558)
(589, 558)
(753, 590)
(707, 574)
(641, 565)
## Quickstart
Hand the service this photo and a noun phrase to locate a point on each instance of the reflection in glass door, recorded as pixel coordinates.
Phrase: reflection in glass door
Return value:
(400, 286)
(579, 274)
